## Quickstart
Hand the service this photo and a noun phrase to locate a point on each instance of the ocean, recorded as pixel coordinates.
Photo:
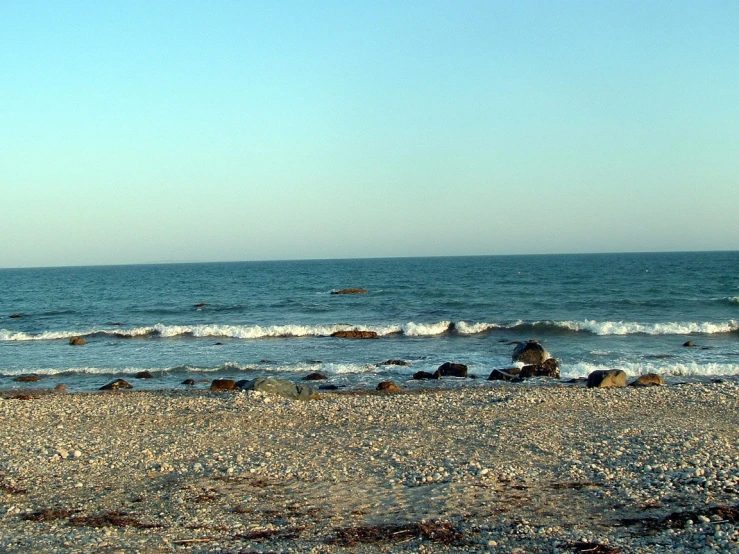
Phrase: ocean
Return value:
(252, 319)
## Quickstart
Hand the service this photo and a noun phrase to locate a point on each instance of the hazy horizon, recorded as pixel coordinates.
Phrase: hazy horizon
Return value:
(187, 133)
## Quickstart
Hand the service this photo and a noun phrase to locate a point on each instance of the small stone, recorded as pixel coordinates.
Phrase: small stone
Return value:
(648, 380)
(117, 384)
(76, 454)
(223, 384)
(607, 378)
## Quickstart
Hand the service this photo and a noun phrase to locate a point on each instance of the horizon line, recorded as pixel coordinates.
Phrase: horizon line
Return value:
(277, 260)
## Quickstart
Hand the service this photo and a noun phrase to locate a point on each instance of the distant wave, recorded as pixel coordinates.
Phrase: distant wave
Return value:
(410, 329)
(633, 328)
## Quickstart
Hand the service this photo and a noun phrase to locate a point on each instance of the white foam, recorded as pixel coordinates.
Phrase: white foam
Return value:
(630, 328)
(464, 328)
(734, 299)
(672, 368)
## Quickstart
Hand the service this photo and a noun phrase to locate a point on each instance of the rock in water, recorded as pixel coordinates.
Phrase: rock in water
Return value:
(117, 384)
(355, 334)
(425, 375)
(29, 378)
(190, 382)
(502, 375)
(77, 341)
(449, 369)
(648, 380)
(394, 362)
(603, 378)
(550, 368)
(144, 375)
(689, 344)
(223, 384)
(530, 353)
(350, 291)
(281, 387)
(388, 386)
(315, 377)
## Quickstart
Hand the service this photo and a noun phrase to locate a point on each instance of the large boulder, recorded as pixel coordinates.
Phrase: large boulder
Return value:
(281, 387)
(354, 334)
(530, 353)
(388, 386)
(448, 369)
(603, 378)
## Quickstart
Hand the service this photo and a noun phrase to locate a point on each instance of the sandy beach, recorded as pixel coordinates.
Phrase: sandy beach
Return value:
(509, 468)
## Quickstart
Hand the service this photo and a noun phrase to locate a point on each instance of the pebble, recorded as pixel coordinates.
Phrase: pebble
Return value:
(512, 468)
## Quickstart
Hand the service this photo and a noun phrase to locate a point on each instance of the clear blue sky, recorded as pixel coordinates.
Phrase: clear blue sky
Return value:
(231, 130)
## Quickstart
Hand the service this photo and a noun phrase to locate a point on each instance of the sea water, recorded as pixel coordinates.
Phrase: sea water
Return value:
(252, 319)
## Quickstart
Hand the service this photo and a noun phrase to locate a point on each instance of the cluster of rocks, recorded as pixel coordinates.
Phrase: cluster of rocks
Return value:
(539, 363)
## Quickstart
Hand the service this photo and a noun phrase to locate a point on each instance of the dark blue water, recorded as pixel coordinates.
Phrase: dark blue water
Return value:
(201, 321)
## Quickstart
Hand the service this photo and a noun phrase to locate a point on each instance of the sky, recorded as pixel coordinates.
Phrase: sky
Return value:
(145, 132)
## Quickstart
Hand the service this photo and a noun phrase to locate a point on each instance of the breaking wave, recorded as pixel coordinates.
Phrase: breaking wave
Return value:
(410, 329)
(672, 369)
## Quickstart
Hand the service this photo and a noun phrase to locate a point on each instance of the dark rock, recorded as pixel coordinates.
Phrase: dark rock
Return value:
(223, 384)
(281, 387)
(29, 378)
(200, 305)
(388, 386)
(329, 387)
(117, 384)
(502, 375)
(355, 334)
(144, 375)
(350, 291)
(530, 353)
(449, 369)
(219, 344)
(395, 362)
(15, 316)
(315, 377)
(689, 344)
(550, 368)
(648, 380)
(606, 378)
(190, 382)
(424, 375)
(77, 341)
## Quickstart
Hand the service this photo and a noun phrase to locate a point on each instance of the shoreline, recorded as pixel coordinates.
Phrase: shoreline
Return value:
(499, 468)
